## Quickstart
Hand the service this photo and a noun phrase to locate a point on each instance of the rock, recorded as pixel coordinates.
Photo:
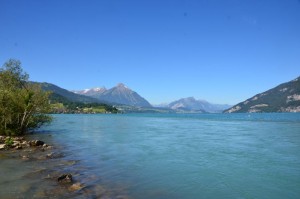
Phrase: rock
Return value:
(65, 178)
(18, 147)
(25, 157)
(2, 139)
(50, 155)
(31, 143)
(2, 146)
(25, 144)
(76, 187)
(18, 139)
(36, 143)
(39, 143)
(46, 147)
(16, 143)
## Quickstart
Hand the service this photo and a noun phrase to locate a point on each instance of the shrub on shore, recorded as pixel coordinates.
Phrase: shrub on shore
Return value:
(23, 106)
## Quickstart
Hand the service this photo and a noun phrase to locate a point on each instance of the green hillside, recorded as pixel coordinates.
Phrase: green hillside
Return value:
(67, 94)
(64, 101)
(60, 104)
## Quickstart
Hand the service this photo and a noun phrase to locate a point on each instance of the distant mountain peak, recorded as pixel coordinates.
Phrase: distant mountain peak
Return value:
(91, 91)
(191, 104)
(121, 85)
(190, 98)
(120, 94)
(99, 89)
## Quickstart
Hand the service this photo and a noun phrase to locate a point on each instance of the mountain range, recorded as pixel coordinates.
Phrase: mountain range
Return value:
(93, 92)
(190, 104)
(120, 94)
(283, 98)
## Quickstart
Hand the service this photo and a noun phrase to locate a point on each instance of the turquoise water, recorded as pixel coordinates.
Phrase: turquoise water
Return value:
(185, 156)
(162, 156)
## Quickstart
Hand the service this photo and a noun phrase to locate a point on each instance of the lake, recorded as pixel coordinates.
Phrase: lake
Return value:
(187, 156)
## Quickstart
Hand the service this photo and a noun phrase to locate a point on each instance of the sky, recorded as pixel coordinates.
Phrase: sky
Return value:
(222, 51)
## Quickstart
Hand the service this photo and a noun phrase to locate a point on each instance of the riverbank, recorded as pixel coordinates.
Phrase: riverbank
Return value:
(34, 168)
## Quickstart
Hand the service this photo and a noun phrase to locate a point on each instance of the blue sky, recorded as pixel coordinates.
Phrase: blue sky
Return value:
(224, 51)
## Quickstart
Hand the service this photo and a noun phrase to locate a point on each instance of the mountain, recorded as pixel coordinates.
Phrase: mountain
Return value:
(282, 98)
(58, 92)
(191, 104)
(119, 94)
(93, 92)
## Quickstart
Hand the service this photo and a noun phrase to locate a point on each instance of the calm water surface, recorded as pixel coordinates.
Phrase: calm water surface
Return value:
(185, 156)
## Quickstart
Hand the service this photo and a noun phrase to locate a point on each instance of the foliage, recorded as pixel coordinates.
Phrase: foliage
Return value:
(9, 141)
(23, 106)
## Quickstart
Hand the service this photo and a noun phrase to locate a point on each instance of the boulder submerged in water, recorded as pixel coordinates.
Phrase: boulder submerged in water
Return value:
(65, 178)
(76, 187)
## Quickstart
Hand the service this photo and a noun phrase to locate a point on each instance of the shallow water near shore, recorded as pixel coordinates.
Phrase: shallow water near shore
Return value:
(171, 156)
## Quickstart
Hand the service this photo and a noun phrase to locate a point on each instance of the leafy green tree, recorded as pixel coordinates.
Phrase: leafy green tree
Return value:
(23, 106)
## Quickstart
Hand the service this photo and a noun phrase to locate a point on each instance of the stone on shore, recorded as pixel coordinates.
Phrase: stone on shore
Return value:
(25, 144)
(2, 146)
(36, 143)
(18, 139)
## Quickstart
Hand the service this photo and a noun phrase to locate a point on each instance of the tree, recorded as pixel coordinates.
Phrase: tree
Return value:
(23, 105)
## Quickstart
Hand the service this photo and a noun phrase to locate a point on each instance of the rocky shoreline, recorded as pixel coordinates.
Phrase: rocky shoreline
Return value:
(34, 150)
(60, 176)
(17, 143)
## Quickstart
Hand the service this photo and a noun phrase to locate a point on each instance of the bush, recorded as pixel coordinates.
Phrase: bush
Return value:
(9, 141)
(23, 106)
